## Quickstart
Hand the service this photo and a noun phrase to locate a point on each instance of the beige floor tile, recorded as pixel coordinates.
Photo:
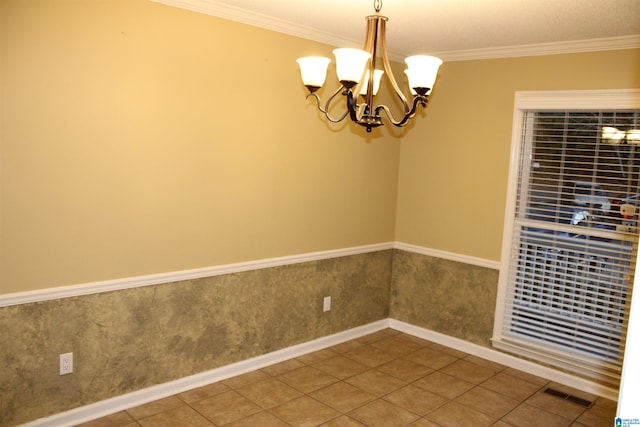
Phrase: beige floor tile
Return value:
(248, 378)
(529, 416)
(423, 422)
(431, 358)
(399, 346)
(155, 407)
(376, 336)
(119, 419)
(128, 424)
(511, 386)
(468, 371)
(316, 356)
(383, 379)
(375, 382)
(343, 421)
(380, 413)
(182, 416)
(533, 379)
(305, 411)
(203, 392)
(573, 391)
(261, 419)
(269, 393)
(282, 367)
(408, 337)
(456, 415)
(370, 356)
(601, 413)
(342, 396)
(226, 407)
(340, 367)
(416, 400)
(556, 405)
(448, 350)
(488, 401)
(405, 369)
(496, 367)
(307, 379)
(346, 346)
(444, 385)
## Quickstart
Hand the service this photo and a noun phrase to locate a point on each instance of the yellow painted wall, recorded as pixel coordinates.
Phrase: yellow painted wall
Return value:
(138, 138)
(454, 164)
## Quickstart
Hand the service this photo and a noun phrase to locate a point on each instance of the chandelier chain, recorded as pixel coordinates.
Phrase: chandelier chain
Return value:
(377, 5)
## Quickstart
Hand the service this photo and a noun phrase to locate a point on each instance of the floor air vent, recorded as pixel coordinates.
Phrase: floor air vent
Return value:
(575, 399)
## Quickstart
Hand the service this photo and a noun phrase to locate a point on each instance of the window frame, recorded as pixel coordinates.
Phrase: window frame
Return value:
(615, 99)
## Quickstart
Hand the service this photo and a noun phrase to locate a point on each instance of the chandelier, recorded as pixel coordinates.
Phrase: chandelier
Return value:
(359, 78)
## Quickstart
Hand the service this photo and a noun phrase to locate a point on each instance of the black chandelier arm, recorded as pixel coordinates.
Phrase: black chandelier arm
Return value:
(418, 99)
(325, 110)
(352, 105)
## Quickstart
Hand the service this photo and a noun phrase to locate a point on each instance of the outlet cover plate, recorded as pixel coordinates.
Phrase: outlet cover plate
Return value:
(326, 304)
(66, 363)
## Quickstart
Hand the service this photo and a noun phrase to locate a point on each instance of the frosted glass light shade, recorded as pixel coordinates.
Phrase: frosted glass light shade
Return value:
(422, 70)
(350, 64)
(411, 90)
(313, 70)
(377, 75)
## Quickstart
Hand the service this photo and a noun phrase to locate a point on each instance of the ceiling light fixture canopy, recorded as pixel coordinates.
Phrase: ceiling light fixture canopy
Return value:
(358, 76)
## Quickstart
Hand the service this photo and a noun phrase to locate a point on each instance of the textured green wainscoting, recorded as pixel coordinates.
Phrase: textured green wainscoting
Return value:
(131, 339)
(448, 297)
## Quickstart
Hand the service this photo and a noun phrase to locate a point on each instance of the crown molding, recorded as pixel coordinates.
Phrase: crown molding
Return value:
(244, 16)
(232, 13)
(541, 49)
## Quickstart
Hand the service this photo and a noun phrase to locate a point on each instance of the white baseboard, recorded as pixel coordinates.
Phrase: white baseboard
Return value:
(136, 398)
(506, 360)
(130, 400)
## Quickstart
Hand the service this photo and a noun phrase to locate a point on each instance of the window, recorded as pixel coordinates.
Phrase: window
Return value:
(571, 230)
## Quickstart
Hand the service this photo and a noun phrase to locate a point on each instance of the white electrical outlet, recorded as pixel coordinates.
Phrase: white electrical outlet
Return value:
(326, 304)
(66, 363)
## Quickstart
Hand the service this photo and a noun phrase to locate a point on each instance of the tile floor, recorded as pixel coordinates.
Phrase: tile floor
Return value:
(384, 379)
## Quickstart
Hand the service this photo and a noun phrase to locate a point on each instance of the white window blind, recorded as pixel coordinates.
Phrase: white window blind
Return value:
(573, 240)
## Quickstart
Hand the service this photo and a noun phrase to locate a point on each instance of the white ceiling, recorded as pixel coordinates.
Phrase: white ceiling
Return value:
(452, 29)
